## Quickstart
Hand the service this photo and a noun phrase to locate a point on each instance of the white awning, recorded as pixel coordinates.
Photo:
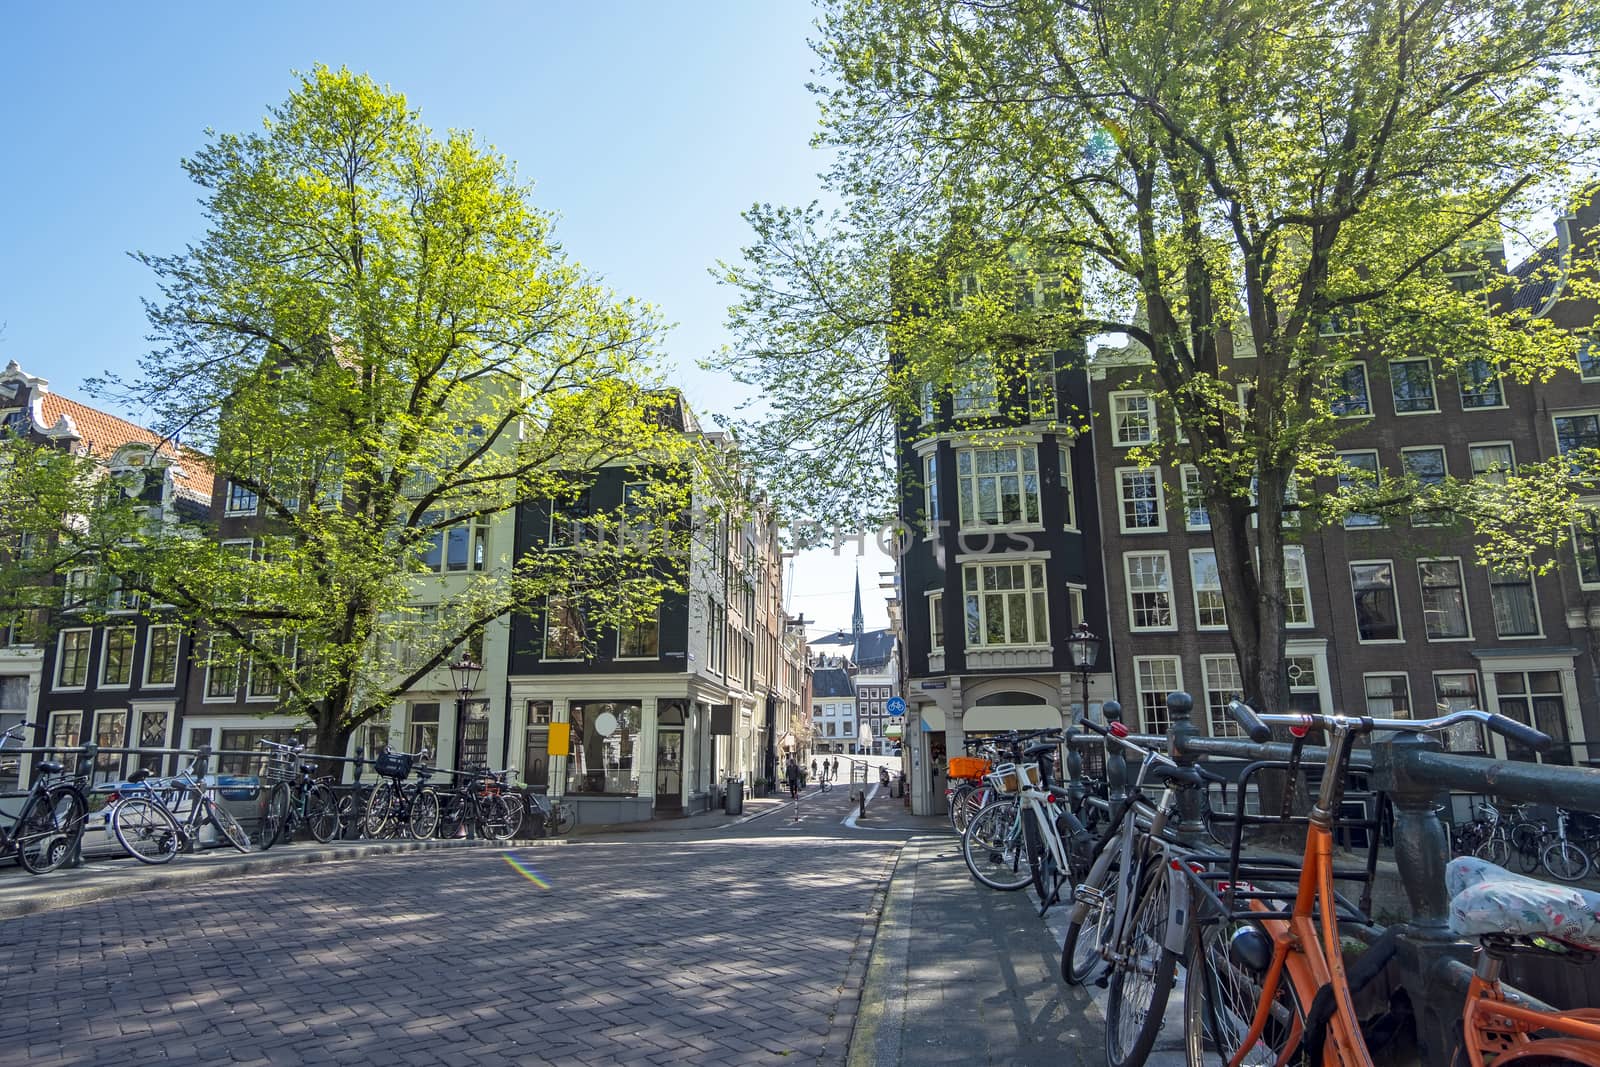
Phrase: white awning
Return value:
(1012, 717)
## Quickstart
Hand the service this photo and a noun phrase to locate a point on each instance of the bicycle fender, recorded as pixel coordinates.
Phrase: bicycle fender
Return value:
(1176, 938)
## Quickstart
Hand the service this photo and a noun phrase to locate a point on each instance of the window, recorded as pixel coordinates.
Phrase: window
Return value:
(930, 410)
(930, 490)
(1338, 324)
(1377, 610)
(1444, 599)
(1458, 691)
(1296, 587)
(563, 629)
(1388, 696)
(1304, 694)
(1426, 465)
(1042, 388)
(936, 621)
(1411, 381)
(1535, 698)
(1195, 516)
(1143, 505)
(152, 734)
(1360, 473)
(1516, 605)
(1577, 431)
(1589, 360)
(422, 726)
(241, 500)
(65, 730)
(72, 659)
(1064, 470)
(1005, 604)
(1480, 386)
(1133, 419)
(640, 639)
(975, 393)
(1075, 604)
(161, 656)
(264, 682)
(1156, 676)
(1350, 399)
(1586, 547)
(1493, 461)
(998, 486)
(567, 522)
(222, 674)
(80, 587)
(462, 547)
(110, 731)
(1209, 612)
(1149, 590)
(117, 670)
(1223, 684)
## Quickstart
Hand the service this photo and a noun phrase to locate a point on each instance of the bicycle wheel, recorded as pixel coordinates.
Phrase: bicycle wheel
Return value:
(1527, 842)
(1141, 979)
(1565, 860)
(146, 830)
(1497, 850)
(1220, 995)
(993, 847)
(494, 819)
(379, 819)
(1042, 869)
(957, 813)
(565, 818)
(353, 813)
(322, 812)
(1081, 961)
(274, 816)
(424, 814)
(227, 826)
(50, 824)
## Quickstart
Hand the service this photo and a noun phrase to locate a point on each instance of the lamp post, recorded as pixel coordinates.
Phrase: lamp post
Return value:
(464, 676)
(1084, 647)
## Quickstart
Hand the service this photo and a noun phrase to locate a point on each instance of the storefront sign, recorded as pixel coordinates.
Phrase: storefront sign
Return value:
(722, 720)
(559, 741)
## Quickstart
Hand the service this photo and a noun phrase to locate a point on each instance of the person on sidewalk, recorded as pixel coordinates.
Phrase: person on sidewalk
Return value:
(813, 768)
(793, 774)
(836, 768)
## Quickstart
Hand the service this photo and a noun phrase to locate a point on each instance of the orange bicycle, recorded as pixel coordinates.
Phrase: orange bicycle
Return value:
(1268, 986)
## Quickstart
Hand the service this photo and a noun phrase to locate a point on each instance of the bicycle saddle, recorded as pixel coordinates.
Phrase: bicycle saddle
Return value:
(1035, 751)
(46, 766)
(139, 775)
(1488, 900)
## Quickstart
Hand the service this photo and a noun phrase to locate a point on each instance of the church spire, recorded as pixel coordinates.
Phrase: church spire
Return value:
(857, 620)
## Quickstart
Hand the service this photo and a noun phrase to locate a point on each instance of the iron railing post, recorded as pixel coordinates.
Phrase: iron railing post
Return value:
(1180, 731)
(1073, 762)
(1116, 764)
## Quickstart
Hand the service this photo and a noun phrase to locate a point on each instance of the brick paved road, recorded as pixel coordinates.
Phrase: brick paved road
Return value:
(741, 947)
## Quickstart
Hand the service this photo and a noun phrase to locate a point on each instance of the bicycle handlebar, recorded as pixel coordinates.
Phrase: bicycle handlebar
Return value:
(1500, 724)
(1249, 721)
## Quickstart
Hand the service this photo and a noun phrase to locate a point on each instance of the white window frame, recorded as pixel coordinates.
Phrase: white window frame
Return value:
(1538, 613)
(1189, 477)
(206, 696)
(1123, 500)
(1577, 413)
(1075, 594)
(1500, 380)
(1466, 601)
(1366, 696)
(1496, 476)
(1029, 591)
(1592, 509)
(936, 636)
(1394, 589)
(1196, 556)
(105, 656)
(1133, 611)
(1377, 473)
(1444, 473)
(1592, 345)
(1159, 704)
(1064, 472)
(149, 649)
(1475, 730)
(968, 402)
(1433, 382)
(968, 488)
(88, 658)
(1366, 382)
(932, 506)
(1115, 403)
(228, 508)
(1223, 724)
(1298, 552)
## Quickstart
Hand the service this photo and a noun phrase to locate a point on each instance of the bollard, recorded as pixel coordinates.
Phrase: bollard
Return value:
(1180, 731)
(863, 813)
(1116, 764)
(88, 755)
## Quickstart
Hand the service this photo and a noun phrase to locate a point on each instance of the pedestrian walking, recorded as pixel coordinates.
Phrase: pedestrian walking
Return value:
(813, 768)
(836, 768)
(794, 779)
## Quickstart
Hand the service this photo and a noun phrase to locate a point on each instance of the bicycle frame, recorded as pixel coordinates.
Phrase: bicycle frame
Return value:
(1491, 1023)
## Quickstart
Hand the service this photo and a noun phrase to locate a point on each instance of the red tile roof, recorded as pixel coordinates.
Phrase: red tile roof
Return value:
(103, 434)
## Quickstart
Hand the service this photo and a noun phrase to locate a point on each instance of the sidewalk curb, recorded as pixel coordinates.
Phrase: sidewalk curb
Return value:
(103, 881)
(876, 993)
(855, 989)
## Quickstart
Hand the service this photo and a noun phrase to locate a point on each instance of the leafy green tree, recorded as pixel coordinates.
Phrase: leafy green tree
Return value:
(1250, 193)
(381, 346)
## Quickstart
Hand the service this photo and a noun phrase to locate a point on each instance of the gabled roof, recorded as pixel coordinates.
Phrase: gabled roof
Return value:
(103, 434)
(877, 646)
(832, 682)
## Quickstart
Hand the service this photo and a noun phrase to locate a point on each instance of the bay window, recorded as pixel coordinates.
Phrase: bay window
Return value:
(1005, 604)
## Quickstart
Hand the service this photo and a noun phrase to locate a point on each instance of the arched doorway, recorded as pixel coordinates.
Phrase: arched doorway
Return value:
(669, 758)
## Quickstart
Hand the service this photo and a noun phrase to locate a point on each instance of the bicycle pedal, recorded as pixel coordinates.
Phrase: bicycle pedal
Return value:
(1104, 981)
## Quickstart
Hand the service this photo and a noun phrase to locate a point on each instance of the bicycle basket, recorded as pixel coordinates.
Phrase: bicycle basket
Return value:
(279, 766)
(392, 764)
(1003, 778)
(967, 767)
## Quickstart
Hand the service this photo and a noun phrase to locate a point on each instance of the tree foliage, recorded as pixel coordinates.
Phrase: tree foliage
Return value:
(1234, 183)
(378, 337)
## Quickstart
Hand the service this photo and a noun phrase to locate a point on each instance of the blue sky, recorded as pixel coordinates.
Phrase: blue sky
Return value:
(647, 127)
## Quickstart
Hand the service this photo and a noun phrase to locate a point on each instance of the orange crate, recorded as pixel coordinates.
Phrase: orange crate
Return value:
(967, 767)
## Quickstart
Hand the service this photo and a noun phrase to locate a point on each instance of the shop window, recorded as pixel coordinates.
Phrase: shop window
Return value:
(603, 757)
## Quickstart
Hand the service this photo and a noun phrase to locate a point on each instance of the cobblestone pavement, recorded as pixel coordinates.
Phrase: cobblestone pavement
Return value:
(742, 945)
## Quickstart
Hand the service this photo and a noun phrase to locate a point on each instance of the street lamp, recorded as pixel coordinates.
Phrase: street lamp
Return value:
(464, 676)
(1084, 647)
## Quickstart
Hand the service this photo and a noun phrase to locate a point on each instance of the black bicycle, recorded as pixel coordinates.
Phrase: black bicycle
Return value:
(155, 819)
(394, 807)
(297, 797)
(49, 826)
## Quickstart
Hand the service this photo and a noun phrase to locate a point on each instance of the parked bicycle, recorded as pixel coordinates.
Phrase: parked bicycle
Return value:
(49, 826)
(296, 797)
(554, 818)
(145, 815)
(395, 807)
